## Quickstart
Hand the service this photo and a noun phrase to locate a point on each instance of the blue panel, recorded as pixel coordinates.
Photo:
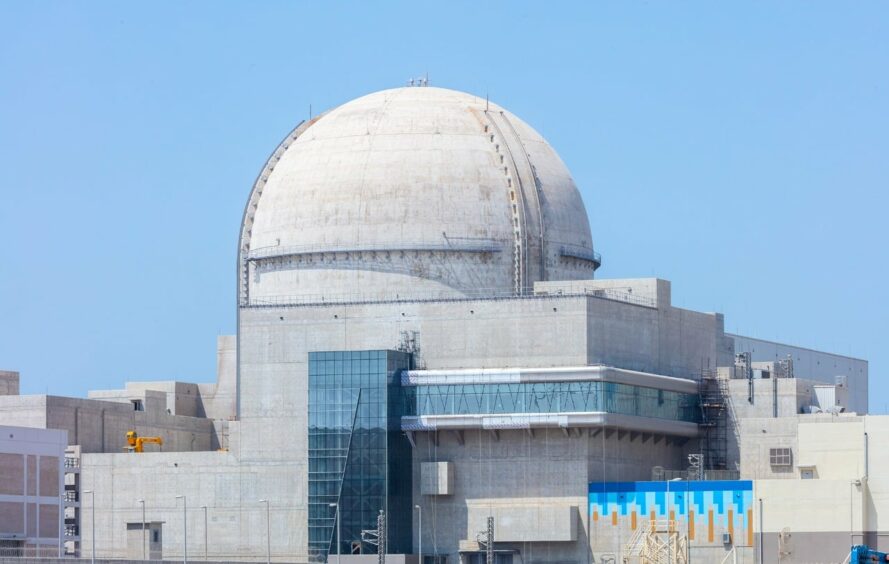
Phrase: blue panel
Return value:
(717, 495)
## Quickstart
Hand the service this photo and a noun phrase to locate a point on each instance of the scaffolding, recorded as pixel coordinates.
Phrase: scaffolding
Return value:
(714, 424)
(657, 542)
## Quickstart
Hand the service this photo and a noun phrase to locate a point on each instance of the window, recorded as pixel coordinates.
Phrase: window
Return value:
(549, 397)
(138, 405)
(780, 457)
(155, 536)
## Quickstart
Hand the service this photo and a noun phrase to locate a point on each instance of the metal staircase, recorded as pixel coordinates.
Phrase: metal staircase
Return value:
(714, 426)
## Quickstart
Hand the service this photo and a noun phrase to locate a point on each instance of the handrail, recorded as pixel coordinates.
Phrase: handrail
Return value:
(276, 251)
(442, 296)
(583, 253)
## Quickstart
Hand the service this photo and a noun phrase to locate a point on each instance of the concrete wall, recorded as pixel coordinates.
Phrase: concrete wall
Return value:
(220, 399)
(16, 560)
(846, 500)
(230, 488)
(182, 398)
(101, 426)
(23, 411)
(9, 383)
(508, 473)
(666, 340)
(638, 328)
(814, 365)
(772, 397)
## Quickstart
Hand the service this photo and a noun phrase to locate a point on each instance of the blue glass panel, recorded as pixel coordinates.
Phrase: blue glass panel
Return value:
(358, 458)
(550, 397)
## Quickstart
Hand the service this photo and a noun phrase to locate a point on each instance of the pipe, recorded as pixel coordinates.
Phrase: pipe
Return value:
(762, 559)
(865, 455)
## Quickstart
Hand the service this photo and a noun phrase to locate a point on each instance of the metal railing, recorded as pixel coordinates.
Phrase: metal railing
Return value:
(583, 253)
(31, 551)
(461, 245)
(661, 474)
(446, 295)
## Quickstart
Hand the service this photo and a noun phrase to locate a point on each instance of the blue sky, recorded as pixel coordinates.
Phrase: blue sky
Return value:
(741, 152)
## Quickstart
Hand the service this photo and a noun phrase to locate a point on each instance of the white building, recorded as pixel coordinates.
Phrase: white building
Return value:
(31, 491)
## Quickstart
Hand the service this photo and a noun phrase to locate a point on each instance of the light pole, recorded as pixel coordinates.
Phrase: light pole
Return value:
(669, 523)
(184, 528)
(142, 502)
(93, 504)
(268, 532)
(419, 533)
(336, 515)
(204, 507)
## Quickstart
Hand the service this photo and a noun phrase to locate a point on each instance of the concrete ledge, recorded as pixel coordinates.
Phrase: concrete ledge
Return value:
(550, 420)
(555, 374)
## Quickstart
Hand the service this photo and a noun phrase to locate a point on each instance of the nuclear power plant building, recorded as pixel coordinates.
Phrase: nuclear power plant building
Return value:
(423, 344)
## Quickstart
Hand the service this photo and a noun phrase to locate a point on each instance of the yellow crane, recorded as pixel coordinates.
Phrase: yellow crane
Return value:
(135, 442)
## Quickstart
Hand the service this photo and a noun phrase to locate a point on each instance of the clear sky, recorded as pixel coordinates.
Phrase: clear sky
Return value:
(741, 152)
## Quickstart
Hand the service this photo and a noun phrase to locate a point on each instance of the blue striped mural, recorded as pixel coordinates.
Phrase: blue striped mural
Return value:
(712, 506)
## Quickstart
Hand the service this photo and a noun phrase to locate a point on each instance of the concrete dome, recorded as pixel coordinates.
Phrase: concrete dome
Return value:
(411, 192)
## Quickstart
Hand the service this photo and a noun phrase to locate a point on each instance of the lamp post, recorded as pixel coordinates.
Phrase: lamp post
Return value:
(142, 502)
(268, 532)
(419, 533)
(184, 528)
(93, 504)
(336, 515)
(204, 507)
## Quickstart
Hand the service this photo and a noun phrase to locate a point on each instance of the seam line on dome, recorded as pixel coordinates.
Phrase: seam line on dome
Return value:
(517, 205)
(253, 204)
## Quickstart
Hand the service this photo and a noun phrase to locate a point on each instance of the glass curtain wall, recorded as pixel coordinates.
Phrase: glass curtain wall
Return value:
(358, 457)
(551, 397)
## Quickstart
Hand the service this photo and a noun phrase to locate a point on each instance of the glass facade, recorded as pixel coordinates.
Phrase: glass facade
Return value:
(550, 397)
(358, 456)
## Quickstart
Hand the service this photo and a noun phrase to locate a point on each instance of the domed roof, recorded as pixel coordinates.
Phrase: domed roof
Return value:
(411, 192)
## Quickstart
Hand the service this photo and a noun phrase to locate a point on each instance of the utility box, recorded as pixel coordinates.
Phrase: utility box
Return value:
(437, 478)
(145, 540)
